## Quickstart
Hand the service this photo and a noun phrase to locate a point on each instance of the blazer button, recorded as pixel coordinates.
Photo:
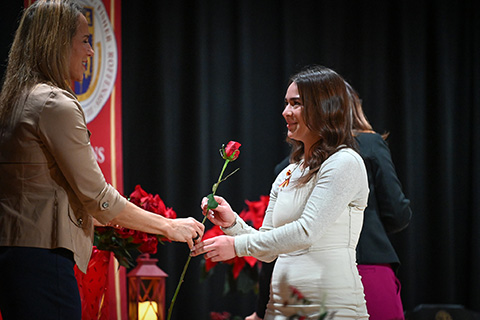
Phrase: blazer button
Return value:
(105, 205)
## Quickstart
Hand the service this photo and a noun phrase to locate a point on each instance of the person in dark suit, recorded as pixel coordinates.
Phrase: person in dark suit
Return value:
(388, 212)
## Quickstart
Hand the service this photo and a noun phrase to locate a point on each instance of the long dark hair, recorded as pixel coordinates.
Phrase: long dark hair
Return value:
(326, 112)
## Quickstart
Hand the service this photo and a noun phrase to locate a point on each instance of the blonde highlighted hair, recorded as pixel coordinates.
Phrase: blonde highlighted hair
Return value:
(40, 52)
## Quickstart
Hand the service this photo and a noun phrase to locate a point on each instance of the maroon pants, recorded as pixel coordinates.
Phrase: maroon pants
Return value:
(382, 292)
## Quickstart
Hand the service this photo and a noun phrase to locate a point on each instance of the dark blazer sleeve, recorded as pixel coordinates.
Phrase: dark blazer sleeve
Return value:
(388, 209)
(393, 207)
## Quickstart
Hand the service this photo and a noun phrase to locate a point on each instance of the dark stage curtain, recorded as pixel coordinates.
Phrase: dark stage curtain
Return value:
(197, 74)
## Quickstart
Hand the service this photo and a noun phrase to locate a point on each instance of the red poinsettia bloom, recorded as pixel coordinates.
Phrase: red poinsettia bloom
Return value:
(231, 151)
(296, 293)
(237, 262)
(256, 211)
(253, 214)
(211, 233)
(219, 316)
(250, 260)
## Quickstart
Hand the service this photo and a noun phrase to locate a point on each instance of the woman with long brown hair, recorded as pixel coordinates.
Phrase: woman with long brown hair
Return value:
(51, 187)
(315, 213)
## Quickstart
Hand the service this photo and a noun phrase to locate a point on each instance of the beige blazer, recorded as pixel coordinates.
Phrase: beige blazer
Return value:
(50, 182)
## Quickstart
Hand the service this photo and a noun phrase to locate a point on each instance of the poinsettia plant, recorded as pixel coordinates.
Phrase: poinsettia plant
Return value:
(123, 240)
(243, 272)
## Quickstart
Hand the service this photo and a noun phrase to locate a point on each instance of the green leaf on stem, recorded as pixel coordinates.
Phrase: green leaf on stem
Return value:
(212, 203)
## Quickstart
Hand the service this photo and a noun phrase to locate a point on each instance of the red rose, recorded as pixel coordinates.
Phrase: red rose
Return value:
(159, 205)
(102, 230)
(231, 151)
(139, 237)
(147, 203)
(122, 240)
(137, 195)
(169, 213)
(153, 204)
(149, 245)
(125, 233)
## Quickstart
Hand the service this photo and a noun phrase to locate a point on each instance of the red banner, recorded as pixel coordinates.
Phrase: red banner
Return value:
(100, 94)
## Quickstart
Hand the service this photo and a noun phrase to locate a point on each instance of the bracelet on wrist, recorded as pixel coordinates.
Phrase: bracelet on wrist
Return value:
(233, 225)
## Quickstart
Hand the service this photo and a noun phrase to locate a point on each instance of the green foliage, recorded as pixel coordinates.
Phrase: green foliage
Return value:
(121, 247)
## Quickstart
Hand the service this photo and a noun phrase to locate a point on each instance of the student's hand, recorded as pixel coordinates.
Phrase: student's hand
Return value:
(219, 248)
(222, 215)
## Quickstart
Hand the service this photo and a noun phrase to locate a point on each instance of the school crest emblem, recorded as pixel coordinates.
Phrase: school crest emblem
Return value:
(99, 78)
